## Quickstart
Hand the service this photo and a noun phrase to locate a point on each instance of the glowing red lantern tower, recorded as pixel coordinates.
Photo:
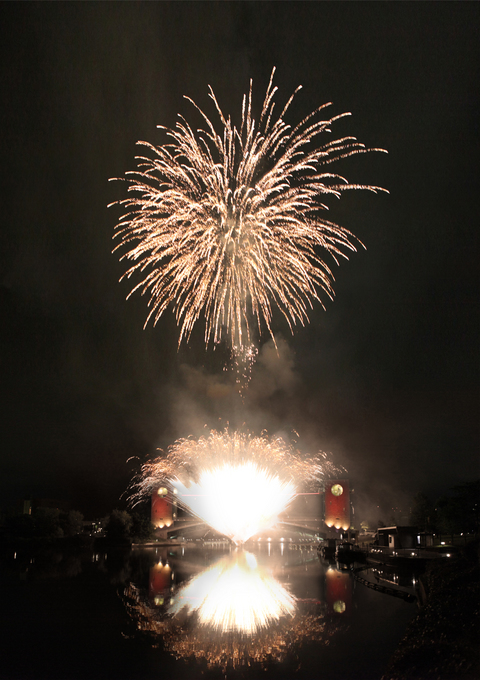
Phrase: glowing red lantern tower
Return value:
(337, 504)
(163, 510)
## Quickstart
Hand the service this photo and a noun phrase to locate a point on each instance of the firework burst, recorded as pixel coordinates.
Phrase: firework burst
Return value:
(237, 483)
(228, 224)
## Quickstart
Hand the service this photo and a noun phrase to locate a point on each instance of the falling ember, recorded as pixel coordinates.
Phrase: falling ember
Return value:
(242, 360)
(227, 224)
(236, 483)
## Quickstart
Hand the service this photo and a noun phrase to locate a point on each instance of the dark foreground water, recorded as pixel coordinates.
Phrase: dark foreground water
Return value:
(195, 612)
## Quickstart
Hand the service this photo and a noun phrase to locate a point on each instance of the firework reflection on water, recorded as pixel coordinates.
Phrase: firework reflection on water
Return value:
(234, 595)
(234, 614)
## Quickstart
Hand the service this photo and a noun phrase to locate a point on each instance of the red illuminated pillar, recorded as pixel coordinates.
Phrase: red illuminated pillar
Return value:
(337, 504)
(163, 514)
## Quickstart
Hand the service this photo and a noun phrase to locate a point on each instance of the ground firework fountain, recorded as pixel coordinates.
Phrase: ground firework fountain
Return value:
(235, 482)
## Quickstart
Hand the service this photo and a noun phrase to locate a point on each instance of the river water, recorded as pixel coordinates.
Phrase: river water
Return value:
(193, 611)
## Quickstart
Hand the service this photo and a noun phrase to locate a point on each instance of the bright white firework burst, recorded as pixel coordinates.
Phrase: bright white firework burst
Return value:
(229, 224)
(237, 483)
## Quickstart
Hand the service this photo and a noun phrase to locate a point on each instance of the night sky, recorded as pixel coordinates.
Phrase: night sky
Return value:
(386, 379)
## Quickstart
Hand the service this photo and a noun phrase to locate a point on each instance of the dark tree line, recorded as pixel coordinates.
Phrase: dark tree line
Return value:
(52, 524)
(122, 526)
(454, 513)
(44, 523)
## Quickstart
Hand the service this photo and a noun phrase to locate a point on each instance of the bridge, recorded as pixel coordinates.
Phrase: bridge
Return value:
(303, 516)
(304, 525)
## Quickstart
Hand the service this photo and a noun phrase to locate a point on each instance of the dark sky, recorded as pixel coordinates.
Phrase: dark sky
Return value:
(386, 379)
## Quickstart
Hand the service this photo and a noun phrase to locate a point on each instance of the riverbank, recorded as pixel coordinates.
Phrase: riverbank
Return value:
(442, 641)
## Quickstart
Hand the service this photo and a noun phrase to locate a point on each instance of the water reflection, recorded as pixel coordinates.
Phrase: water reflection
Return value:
(235, 595)
(338, 591)
(390, 581)
(268, 613)
(236, 611)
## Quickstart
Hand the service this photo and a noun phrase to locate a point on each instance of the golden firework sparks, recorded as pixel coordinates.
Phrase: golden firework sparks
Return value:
(228, 224)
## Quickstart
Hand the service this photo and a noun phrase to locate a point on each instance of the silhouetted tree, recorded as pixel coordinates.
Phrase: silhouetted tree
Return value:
(20, 526)
(142, 528)
(449, 514)
(459, 512)
(72, 523)
(47, 523)
(118, 526)
(422, 514)
(44, 523)
(469, 497)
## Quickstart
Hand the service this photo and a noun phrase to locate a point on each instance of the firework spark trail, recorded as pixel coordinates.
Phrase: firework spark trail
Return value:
(227, 224)
(243, 359)
(237, 483)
